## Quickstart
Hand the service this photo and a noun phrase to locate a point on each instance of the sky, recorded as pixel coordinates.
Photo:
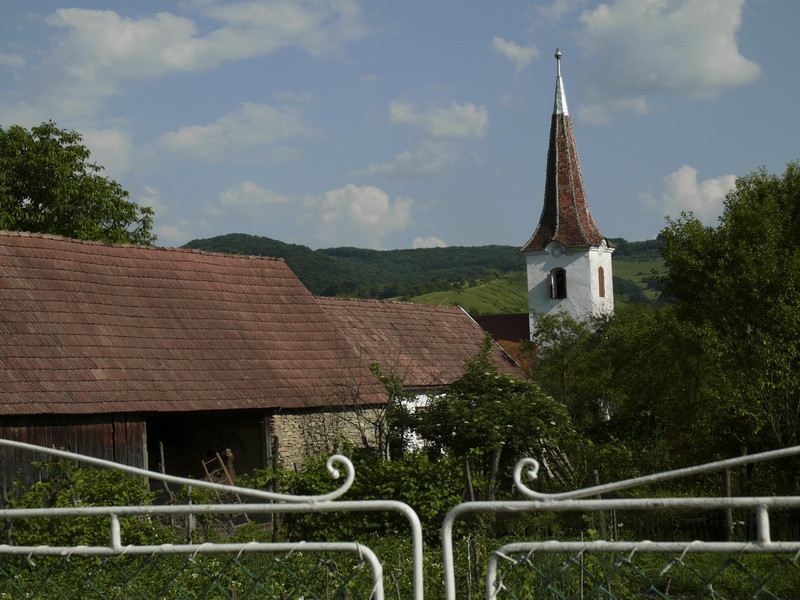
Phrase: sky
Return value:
(404, 124)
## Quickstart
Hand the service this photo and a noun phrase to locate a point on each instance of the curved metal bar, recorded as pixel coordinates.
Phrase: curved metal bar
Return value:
(365, 553)
(333, 461)
(293, 504)
(532, 466)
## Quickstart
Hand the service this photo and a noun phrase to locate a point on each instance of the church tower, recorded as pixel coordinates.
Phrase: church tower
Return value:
(568, 259)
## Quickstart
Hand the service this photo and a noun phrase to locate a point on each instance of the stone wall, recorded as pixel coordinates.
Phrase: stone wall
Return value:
(307, 433)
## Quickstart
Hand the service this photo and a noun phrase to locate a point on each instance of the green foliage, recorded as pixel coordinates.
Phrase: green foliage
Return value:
(636, 380)
(498, 294)
(430, 487)
(492, 418)
(374, 273)
(48, 185)
(483, 280)
(739, 285)
(63, 484)
(636, 251)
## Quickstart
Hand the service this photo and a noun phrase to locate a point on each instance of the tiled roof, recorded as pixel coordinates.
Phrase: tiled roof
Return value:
(565, 216)
(426, 345)
(87, 327)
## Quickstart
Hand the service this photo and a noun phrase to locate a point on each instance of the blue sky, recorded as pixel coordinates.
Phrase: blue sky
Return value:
(398, 124)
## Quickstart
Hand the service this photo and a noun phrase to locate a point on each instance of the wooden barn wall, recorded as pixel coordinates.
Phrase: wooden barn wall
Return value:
(120, 438)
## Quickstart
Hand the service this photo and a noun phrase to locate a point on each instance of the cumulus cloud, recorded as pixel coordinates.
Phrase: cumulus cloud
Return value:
(111, 149)
(96, 50)
(638, 49)
(428, 242)
(13, 61)
(250, 125)
(249, 197)
(171, 229)
(682, 192)
(358, 215)
(464, 121)
(520, 56)
(430, 156)
(557, 9)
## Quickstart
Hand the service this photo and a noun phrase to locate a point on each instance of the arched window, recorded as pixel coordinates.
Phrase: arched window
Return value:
(601, 280)
(557, 284)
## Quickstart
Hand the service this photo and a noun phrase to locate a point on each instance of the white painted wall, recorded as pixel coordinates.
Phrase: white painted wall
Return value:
(583, 287)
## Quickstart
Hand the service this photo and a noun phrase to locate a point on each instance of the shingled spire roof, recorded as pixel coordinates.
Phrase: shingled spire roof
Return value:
(565, 216)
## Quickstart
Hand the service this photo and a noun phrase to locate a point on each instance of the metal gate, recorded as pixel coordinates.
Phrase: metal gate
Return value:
(598, 566)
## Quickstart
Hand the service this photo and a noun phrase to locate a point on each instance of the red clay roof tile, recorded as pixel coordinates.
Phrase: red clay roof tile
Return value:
(423, 344)
(89, 327)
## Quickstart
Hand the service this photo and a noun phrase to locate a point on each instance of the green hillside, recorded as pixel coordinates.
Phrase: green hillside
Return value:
(482, 279)
(374, 273)
(506, 294)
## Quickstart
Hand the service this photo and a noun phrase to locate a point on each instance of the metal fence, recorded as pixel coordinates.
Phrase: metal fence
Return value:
(308, 569)
(602, 562)
(603, 568)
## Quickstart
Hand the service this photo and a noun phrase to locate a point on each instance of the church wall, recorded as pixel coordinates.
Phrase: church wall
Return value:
(583, 287)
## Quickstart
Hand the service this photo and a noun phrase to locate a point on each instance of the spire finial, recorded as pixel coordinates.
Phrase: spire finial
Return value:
(560, 106)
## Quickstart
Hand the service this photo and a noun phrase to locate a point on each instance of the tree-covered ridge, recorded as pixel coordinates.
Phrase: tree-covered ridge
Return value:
(453, 271)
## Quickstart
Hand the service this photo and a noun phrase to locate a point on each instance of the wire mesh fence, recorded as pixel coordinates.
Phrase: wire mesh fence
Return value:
(747, 548)
(539, 575)
(229, 576)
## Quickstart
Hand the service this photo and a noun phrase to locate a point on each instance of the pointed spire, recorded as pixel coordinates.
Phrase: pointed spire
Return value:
(565, 215)
(560, 105)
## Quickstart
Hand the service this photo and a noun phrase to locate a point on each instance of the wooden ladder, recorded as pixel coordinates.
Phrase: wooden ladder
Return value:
(218, 472)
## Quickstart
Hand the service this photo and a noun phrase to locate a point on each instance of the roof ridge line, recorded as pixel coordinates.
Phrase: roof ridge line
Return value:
(61, 238)
(388, 301)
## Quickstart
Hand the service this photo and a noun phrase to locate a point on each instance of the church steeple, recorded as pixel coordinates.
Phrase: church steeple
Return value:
(568, 259)
(565, 216)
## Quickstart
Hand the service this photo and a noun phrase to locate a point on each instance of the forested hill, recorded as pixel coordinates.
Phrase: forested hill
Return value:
(393, 273)
(373, 273)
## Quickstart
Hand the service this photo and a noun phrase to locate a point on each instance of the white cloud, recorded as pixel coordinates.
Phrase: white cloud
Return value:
(464, 121)
(428, 242)
(250, 125)
(14, 61)
(249, 198)
(430, 157)
(688, 47)
(521, 56)
(171, 230)
(682, 192)
(111, 149)
(96, 50)
(557, 9)
(358, 216)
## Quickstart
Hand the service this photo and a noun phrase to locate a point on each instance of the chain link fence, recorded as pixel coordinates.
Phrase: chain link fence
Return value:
(229, 576)
(609, 561)
(640, 573)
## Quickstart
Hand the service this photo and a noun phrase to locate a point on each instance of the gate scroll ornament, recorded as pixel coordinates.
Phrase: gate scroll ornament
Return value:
(577, 500)
(271, 503)
(583, 501)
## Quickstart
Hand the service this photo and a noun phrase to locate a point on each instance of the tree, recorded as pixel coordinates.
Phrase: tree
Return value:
(739, 285)
(48, 185)
(495, 419)
(565, 365)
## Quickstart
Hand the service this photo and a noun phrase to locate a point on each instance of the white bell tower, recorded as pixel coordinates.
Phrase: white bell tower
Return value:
(568, 259)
